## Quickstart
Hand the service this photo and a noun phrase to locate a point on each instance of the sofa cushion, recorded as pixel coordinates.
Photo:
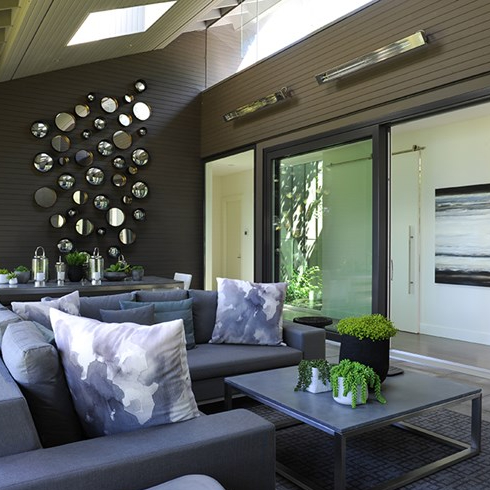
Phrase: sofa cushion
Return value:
(90, 306)
(6, 318)
(124, 376)
(215, 361)
(143, 316)
(170, 310)
(204, 305)
(174, 294)
(38, 311)
(249, 312)
(190, 482)
(34, 364)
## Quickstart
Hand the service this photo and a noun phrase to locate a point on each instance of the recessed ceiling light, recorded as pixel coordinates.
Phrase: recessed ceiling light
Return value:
(119, 22)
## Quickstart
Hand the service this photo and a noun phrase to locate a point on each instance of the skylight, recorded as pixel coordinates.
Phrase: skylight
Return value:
(119, 22)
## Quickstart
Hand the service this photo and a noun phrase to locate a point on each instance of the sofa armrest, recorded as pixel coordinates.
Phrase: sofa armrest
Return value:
(237, 448)
(310, 340)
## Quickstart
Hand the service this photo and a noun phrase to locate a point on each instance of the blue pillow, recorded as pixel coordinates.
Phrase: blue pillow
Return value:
(142, 316)
(166, 311)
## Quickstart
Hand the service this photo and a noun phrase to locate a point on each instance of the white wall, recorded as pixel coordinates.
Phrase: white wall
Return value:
(456, 154)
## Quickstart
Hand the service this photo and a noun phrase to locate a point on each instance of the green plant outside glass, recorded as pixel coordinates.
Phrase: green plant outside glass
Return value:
(305, 372)
(374, 327)
(302, 285)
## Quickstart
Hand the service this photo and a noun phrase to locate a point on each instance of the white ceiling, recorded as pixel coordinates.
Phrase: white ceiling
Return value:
(34, 33)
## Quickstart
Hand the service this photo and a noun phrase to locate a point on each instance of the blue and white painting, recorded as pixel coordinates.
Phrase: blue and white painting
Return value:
(462, 241)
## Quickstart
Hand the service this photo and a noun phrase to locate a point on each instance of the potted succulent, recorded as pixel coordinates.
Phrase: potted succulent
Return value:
(137, 272)
(3, 276)
(366, 339)
(12, 277)
(351, 381)
(116, 272)
(23, 274)
(313, 376)
(75, 261)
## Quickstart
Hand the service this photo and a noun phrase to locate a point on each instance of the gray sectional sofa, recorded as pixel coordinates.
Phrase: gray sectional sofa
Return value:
(225, 446)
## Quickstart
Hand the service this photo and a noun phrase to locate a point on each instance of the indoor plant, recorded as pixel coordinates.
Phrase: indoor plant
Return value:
(23, 274)
(351, 380)
(12, 277)
(3, 276)
(117, 272)
(137, 272)
(366, 339)
(75, 265)
(313, 376)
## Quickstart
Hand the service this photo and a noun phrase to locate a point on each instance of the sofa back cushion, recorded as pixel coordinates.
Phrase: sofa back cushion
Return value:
(34, 364)
(6, 318)
(204, 313)
(90, 306)
(174, 294)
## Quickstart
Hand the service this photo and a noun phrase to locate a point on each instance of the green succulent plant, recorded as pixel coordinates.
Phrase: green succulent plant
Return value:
(11, 275)
(4, 271)
(21, 268)
(76, 258)
(374, 327)
(305, 372)
(118, 268)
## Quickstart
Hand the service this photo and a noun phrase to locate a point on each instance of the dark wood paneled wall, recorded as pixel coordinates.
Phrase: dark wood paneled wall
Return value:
(456, 60)
(172, 237)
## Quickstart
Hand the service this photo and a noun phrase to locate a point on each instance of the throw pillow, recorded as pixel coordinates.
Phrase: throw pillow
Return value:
(34, 364)
(90, 306)
(203, 313)
(170, 310)
(249, 313)
(38, 311)
(174, 294)
(143, 316)
(124, 376)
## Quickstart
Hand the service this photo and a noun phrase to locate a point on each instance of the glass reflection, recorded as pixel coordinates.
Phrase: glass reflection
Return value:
(101, 202)
(105, 148)
(65, 245)
(140, 157)
(66, 181)
(139, 190)
(43, 162)
(39, 129)
(94, 176)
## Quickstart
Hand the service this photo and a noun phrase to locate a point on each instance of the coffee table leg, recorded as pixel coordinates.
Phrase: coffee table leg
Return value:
(339, 462)
(228, 397)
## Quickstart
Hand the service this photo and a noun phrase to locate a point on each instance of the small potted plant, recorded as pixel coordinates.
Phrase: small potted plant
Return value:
(313, 376)
(75, 265)
(351, 381)
(23, 274)
(137, 272)
(116, 272)
(366, 339)
(12, 277)
(3, 276)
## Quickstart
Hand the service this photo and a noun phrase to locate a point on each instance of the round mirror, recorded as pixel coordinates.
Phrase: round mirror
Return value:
(139, 190)
(132, 170)
(66, 181)
(142, 131)
(105, 148)
(139, 214)
(86, 133)
(95, 176)
(65, 245)
(60, 143)
(101, 202)
(127, 236)
(125, 119)
(114, 252)
(45, 197)
(101, 231)
(43, 162)
(84, 227)
(91, 97)
(63, 160)
(82, 110)
(57, 220)
(119, 162)
(140, 86)
(109, 104)
(80, 197)
(100, 123)
(122, 139)
(72, 212)
(84, 158)
(140, 157)
(128, 98)
(39, 129)
(119, 180)
(127, 199)
(115, 217)
(141, 111)
(65, 122)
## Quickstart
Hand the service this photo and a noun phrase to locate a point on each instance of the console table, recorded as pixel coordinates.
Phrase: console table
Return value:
(28, 292)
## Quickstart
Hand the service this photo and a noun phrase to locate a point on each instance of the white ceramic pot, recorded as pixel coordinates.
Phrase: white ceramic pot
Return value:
(317, 385)
(13, 281)
(4, 279)
(347, 400)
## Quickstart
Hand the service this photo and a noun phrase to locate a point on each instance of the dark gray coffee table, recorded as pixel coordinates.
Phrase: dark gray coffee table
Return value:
(407, 395)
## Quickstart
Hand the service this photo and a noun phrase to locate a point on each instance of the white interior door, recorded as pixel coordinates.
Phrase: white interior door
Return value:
(405, 242)
(232, 236)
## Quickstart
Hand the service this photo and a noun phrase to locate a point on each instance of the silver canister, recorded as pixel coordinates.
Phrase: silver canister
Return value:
(96, 267)
(40, 266)
(60, 272)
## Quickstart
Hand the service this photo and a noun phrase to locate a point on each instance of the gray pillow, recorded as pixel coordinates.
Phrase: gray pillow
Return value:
(142, 316)
(35, 366)
(249, 312)
(175, 294)
(204, 305)
(6, 318)
(90, 306)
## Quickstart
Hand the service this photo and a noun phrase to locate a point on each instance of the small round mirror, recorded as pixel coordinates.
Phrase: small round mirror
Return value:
(115, 216)
(127, 236)
(119, 180)
(84, 158)
(63, 160)
(66, 181)
(141, 111)
(119, 162)
(140, 86)
(80, 197)
(125, 119)
(142, 131)
(86, 133)
(72, 212)
(101, 202)
(90, 96)
(105, 148)
(65, 245)
(45, 197)
(127, 199)
(60, 143)
(128, 98)
(65, 121)
(94, 176)
(140, 157)
(84, 227)
(139, 214)
(114, 252)
(100, 123)
(39, 129)
(101, 231)
(43, 162)
(139, 190)
(57, 220)
(132, 170)
(82, 110)
(122, 139)
(109, 104)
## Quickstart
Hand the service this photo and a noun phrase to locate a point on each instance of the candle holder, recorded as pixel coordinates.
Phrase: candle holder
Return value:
(60, 272)
(40, 265)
